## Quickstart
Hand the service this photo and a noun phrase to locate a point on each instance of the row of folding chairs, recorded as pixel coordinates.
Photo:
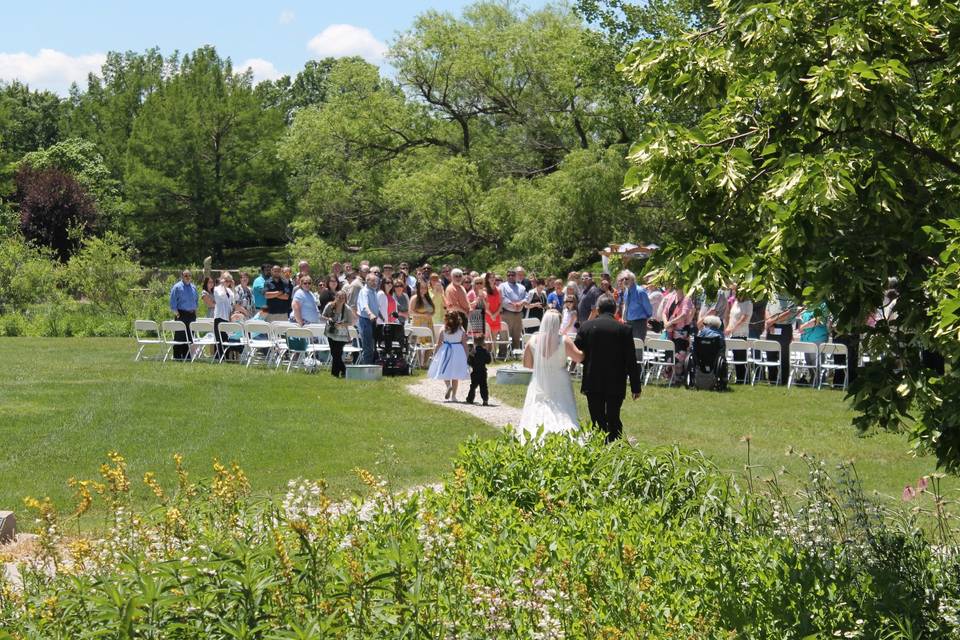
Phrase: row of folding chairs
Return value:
(273, 343)
(818, 362)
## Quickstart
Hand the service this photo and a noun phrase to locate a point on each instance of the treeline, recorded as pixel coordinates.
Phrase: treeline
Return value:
(494, 136)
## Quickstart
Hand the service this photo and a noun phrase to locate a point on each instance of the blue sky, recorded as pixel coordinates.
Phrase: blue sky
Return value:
(50, 43)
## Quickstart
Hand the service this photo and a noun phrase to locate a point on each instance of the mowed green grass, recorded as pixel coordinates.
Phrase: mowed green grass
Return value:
(64, 403)
(776, 419)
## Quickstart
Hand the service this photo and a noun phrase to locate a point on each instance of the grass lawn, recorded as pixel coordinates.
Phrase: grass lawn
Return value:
(810, 421)
(64, 403)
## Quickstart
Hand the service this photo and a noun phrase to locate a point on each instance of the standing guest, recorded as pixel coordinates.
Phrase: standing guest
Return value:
(368, 312)
(574, 277)
(421, 311)
(287, 273)
(409, 280)
(450, 362)
(589, 294)
(568, 320)
(305, 309)
(278, 292)
(388, 272)
(336, 271)
(536, 302)
(402, 300)
(814, 327)
(455, 297)
(183, 304)
(352, 288)
(478, 361)
(224, 299)
(522, 279)
(345, 276)
(206, 295)
(386, 303)
(738, 326)
(677, 313)
(655, 294)
(259, 299)
(326, 295)
(437, 295)
(637, 310)
(514, 298)
(606, 288)
(555, 297)
(244, 301)
(303, 269)
(446, 277)
(478, 305)
(494, 308)
(339, 319)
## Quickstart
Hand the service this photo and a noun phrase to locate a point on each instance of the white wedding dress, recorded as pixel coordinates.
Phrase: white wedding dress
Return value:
(550, 403)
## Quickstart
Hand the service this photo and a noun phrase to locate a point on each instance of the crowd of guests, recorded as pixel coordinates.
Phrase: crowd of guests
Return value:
(487, 305)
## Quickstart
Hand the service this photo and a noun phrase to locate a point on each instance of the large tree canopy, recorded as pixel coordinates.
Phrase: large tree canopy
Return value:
(821, 159)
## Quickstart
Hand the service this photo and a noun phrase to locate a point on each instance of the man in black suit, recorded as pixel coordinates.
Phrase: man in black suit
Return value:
(609, 358)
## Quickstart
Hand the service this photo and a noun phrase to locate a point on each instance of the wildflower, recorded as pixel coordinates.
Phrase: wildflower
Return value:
(909, 493)
(150, 479)
(82, 493)
(922, 484)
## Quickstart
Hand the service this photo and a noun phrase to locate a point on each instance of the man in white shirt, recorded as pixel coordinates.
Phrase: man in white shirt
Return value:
(513, 298)
(367, 312)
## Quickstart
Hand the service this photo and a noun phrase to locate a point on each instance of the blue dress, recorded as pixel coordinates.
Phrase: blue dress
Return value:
(450, 361)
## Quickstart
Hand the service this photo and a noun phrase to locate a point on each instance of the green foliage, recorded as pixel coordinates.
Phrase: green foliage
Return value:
(103, 272)
(819, 161)
(314, 250)
(29, 120)
(562, 540)
(200, 167)
(27, 274)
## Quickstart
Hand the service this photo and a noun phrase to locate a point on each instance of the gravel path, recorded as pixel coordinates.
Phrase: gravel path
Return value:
(497, 415)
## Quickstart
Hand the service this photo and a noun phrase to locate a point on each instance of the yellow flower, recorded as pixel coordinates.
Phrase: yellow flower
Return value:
(150, 479)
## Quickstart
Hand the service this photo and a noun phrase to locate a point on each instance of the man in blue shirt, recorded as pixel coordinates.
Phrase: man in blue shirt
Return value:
(183, 304)
(259, 299)
(367, 312)
(636, 305)
(513, 299)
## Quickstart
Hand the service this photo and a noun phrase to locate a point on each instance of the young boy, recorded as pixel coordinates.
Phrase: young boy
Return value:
(478, 361)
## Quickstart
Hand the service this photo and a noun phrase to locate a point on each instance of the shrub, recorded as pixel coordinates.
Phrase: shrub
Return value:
(56, 212)
(28, 275)
(557, 541)
(104, 272)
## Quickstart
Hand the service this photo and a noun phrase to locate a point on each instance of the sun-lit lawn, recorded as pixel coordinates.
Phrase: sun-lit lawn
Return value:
(776, 419)
(64, 403)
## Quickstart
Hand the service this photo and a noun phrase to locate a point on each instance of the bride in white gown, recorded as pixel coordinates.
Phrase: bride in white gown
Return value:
(550, 403)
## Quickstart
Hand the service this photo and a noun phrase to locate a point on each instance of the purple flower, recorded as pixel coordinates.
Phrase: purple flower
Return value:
(908, 493)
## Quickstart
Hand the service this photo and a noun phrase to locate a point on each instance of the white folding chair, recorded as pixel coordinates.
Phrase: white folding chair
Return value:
(800, 356)
(294, 353)
(502, 339)
(530, 323)
(829, 352)
(353, 348)
(232, 329)
(319, 348)
(279, 335)
(735, 345)
(147, 334)
(419, 350)
(203, 336)
(259, 335)
(658, 354)
(168, 333)
(763, 356)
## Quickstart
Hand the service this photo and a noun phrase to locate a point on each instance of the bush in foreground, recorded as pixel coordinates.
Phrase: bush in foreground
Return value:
(558, 541)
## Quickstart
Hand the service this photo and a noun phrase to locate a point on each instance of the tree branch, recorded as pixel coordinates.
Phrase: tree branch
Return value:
(928, 153)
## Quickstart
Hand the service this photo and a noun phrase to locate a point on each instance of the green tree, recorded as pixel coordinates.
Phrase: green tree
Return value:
(822, 160)
(103, 272)
(104, 114)
(201, 168)
(29, 120)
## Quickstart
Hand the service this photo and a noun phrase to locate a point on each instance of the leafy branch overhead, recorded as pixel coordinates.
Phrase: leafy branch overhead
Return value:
(822, 158)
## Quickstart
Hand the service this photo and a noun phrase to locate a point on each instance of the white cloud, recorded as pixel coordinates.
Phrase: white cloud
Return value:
(286, 16)
(49, 69)
(262, 69)
(339, 40)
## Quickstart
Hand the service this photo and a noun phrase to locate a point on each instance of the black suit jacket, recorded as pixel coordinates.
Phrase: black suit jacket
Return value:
(609, 357)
